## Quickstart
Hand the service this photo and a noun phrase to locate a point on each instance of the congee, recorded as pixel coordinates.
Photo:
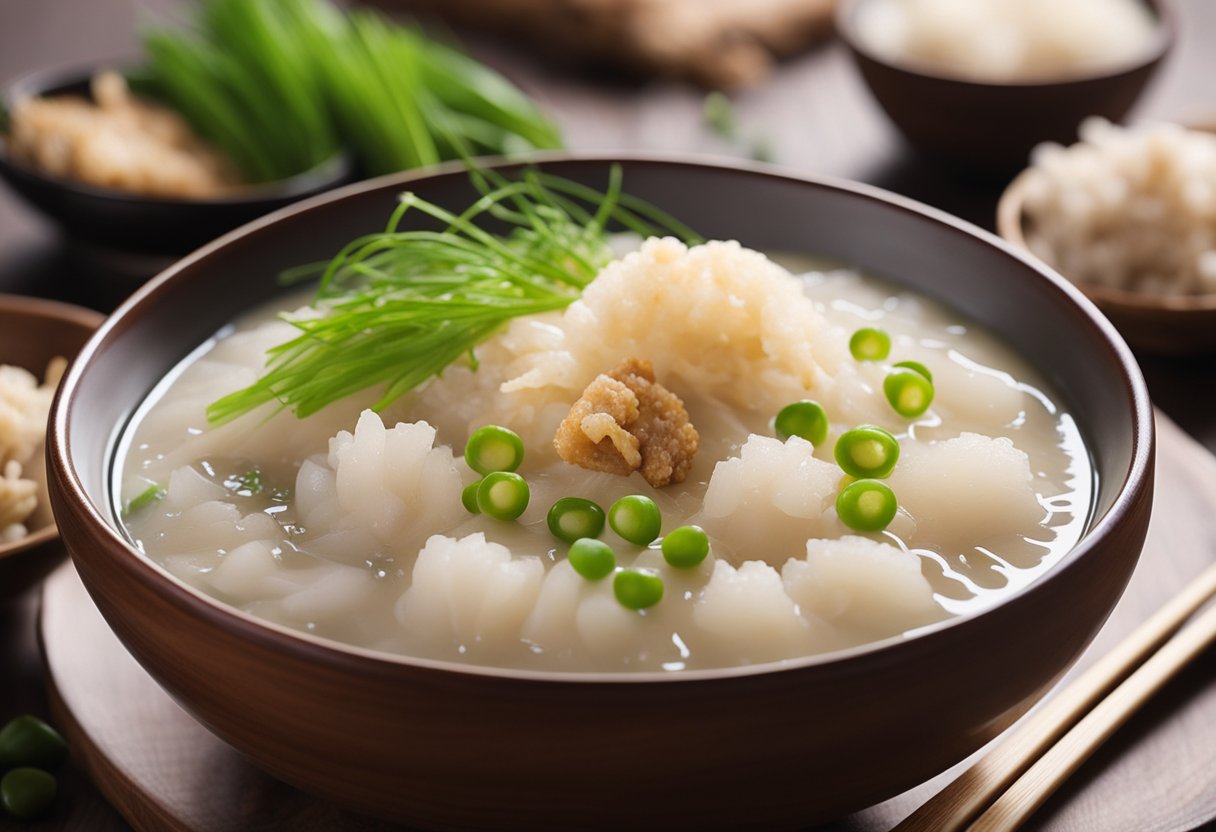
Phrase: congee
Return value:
(560, 448)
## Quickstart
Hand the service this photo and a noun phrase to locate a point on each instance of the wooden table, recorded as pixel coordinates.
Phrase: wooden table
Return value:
(814, 115)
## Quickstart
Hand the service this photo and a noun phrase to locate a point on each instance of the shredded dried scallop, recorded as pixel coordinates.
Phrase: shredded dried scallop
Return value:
(24, 405)
(1127, 207)
(117, 141)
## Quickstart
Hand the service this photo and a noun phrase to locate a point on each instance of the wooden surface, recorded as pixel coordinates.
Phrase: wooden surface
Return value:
(164, 771)
(814, 115)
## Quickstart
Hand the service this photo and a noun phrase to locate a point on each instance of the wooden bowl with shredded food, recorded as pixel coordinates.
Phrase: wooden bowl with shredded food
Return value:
(1152, 321)
(35, 336)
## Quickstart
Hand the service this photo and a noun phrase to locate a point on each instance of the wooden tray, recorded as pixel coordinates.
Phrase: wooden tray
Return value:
(163, 771)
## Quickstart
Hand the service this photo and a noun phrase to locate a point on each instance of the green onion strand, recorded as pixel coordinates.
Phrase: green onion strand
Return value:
(399, 306)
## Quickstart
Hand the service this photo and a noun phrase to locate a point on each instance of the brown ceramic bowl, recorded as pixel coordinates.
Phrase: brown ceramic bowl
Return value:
(1157, 324)
(32, 332)
(989, 127)
(116, 220)
(441, 745)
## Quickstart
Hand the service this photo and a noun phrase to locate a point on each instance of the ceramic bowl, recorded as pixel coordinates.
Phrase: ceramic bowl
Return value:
(32, 332)
(783, 745)
(115, 220)
(989, 127)
(1159, 324)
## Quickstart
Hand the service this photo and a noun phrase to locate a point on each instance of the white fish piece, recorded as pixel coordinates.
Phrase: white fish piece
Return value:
(864, 589)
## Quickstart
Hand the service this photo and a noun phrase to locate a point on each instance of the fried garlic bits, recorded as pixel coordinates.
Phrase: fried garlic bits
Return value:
(625, 421)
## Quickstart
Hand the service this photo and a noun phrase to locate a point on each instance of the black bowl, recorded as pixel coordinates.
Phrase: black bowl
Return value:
(124, 221)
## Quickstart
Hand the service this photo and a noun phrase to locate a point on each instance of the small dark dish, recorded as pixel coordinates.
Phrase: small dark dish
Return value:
(989, 127)
(122, 221)
(32, 332)
(780, 745)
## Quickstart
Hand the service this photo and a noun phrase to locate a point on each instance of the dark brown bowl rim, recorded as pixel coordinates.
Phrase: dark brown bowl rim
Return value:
(333, 171)
(54, 312)
(1165, 35)
(306, 647)
(1009, 224)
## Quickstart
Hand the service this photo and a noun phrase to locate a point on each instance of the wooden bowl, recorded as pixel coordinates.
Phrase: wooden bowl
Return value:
(116, 220)
(1159, 324)
(782, 745)
(32, 332)
(989, 127)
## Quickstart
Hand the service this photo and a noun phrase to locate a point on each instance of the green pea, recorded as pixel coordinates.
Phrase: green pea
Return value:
(866, 505)
(503, 495)
(867, 451)
(494, 448)
(28, 741)
(636, 518)
(806, 418)
(685, 547)
(468, 498)
(573, 517)
(870, 344)
(27, 793)
(591, 558)
(917, 367)
(908, 392)
(637, 589)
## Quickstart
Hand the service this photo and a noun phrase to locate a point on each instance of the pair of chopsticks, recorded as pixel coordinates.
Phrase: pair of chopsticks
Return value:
(1007, 785)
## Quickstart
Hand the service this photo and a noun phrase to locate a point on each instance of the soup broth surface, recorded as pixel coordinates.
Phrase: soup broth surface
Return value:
(349, 525)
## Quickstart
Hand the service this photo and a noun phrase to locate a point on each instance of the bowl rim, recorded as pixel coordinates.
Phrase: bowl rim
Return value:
(1010, 225)
(333, 171)
(306, 647)
(1165, 35)
(57, 312)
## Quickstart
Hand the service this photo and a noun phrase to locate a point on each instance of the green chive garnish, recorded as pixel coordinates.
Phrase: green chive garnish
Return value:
(153, 493)
(395, 308)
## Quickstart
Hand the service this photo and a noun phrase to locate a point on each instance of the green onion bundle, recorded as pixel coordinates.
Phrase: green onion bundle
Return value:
(281, 85)
(401, 305)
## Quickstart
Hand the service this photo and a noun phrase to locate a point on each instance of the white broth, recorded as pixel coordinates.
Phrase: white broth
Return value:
(349, 524)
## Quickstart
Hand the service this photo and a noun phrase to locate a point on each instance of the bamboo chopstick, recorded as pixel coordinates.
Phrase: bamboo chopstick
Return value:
(1030, 790)
(978, 788)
